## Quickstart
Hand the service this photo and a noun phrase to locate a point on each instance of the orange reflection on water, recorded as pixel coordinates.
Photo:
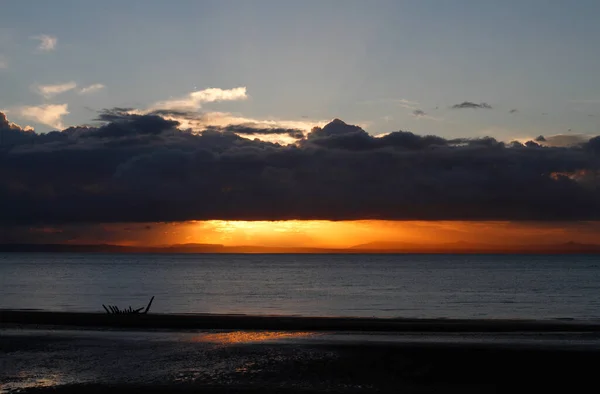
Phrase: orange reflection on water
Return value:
(234, 337)
(31, 379)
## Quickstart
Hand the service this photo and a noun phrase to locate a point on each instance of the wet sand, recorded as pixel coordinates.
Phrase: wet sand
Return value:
(368, 355)
(216, 361)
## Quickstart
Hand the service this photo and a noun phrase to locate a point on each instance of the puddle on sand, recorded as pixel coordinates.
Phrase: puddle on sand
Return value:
(25, 380)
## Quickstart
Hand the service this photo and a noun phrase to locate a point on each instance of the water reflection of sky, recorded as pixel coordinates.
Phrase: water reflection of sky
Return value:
(239, 337)
(32, 378)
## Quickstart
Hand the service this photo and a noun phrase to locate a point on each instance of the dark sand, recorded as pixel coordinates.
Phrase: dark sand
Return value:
(344, 356)
(289, 323)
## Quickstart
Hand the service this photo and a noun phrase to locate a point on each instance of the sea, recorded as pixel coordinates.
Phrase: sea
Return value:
(543, 287)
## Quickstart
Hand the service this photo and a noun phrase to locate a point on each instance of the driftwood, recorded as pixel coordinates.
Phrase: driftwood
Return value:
(114, 310)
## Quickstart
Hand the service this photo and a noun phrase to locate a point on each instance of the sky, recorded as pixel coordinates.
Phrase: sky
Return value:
(367, 63)
(158, 81)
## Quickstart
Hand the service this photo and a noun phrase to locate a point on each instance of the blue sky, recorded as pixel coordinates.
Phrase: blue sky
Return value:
(371, 63)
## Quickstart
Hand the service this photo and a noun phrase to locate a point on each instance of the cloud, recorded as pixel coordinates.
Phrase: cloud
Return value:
(186, 111)
(419, 113)
(194, 100)
(47, 43)
(199, 121)
(91, 88)
(3, 63)
(276, 131)
(513, 111)
(563, 140)
(47, 114)
(408, 104)
(251, 130)
(49, 91)
(469, 104)
(144, 168)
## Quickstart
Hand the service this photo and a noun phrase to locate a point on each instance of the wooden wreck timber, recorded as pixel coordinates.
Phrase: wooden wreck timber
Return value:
(114, 310)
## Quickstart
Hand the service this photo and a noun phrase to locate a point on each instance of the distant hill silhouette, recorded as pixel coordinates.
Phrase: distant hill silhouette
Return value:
(373, 247)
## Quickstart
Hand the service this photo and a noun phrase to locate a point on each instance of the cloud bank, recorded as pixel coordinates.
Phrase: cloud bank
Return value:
(145, 168)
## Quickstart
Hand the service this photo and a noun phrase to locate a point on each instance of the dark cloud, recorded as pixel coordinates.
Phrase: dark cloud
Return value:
(143, 168)
(12, 134)
(469, 104)
(250, 129)
(419, 112)
(516, 144)
(593, 145)
(563, 140)
(513, 111)
(566, 140)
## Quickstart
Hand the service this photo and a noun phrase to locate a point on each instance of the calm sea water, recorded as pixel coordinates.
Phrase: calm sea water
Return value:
(431, 286)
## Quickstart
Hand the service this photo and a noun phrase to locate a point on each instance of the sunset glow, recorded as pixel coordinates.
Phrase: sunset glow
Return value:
(416, 142)
(375, 234)
(346, 234)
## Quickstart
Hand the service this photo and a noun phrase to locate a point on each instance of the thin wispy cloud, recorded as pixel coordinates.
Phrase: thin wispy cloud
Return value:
(194, 100)
(408, 104)
(49, 91)
(47, 114)
(3, 63)
(47, 43)
(404, 103)
(92, 88)
(420, 114)
(472, 105)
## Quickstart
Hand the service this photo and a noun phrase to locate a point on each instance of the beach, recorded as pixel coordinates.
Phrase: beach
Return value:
(49, 352)
(298, 324)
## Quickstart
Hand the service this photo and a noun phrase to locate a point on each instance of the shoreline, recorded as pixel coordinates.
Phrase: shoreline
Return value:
(151, 321)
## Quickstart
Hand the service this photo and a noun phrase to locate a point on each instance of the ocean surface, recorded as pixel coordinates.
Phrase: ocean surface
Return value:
(415, 286)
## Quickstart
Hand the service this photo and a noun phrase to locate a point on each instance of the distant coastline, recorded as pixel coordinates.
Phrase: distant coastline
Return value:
(375, 248)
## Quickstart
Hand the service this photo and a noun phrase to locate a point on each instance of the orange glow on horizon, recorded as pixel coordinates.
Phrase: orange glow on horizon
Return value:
(347, 234)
